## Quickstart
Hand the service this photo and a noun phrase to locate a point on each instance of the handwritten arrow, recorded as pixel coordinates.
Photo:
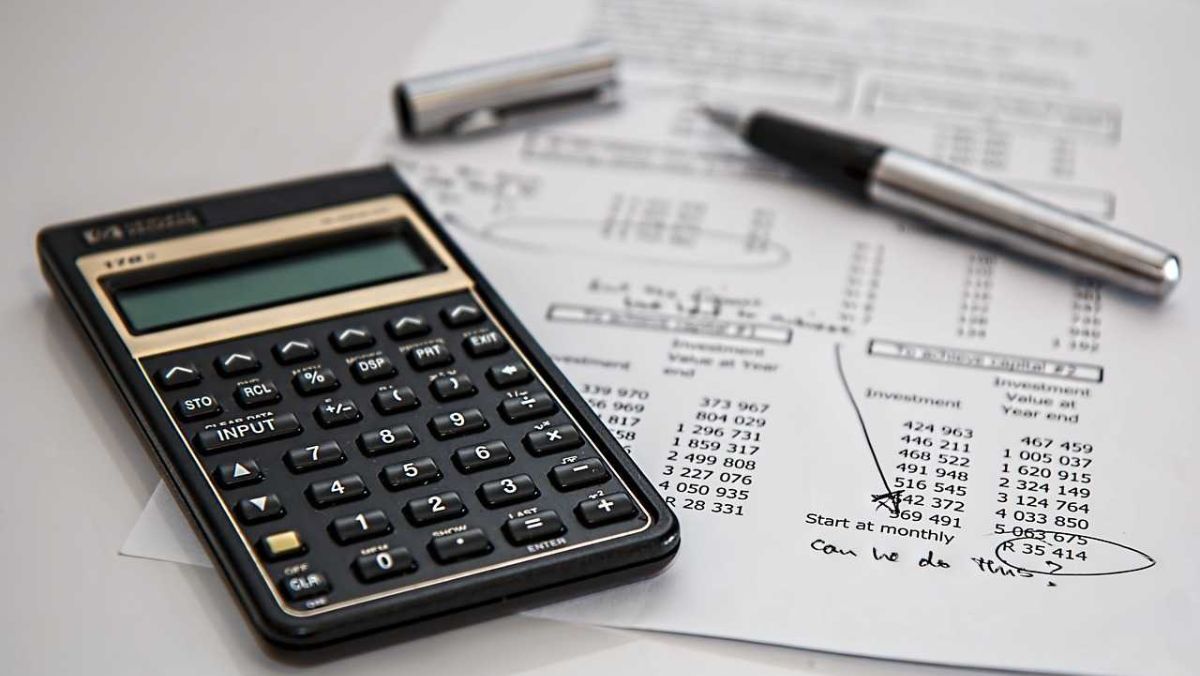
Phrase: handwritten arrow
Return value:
(888, 498)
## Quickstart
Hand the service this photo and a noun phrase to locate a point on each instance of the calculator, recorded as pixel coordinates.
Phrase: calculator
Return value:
(360, 430)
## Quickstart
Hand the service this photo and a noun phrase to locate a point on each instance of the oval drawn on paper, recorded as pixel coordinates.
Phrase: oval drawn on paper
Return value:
(1061, 553)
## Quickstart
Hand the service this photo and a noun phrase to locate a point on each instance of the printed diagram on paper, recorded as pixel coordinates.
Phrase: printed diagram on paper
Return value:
(879, 440)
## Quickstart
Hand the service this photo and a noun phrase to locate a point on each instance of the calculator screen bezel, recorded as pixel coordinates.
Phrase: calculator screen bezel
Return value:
(198, 268)
(168, 256)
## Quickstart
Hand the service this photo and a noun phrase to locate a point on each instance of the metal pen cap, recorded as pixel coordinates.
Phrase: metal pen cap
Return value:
(958, 201)
(500, 93)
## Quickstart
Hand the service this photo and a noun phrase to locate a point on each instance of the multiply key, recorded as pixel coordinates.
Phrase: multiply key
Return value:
(552, 440)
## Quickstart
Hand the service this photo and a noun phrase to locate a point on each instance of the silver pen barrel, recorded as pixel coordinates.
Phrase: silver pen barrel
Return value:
(963, 203)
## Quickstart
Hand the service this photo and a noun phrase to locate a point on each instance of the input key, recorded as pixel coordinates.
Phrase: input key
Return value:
(246, 432)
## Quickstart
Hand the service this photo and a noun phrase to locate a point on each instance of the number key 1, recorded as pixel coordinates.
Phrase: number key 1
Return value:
(361, 526)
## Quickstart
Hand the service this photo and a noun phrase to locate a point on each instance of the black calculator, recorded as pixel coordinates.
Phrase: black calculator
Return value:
(361, 431)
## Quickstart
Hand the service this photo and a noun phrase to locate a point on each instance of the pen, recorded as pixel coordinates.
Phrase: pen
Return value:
(958, 201)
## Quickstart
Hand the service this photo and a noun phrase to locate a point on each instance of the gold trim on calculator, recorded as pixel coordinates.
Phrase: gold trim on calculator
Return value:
(96, 267)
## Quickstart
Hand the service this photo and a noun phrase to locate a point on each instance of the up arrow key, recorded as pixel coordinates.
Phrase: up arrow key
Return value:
(260, 502)
(461, 315)
(237, 363)
(241, 473)
(180, 375)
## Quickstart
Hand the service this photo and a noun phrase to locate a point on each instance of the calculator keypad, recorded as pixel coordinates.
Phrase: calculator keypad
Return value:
(389, 448)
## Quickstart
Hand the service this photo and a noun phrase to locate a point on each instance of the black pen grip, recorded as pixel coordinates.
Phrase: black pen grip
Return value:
(838, 160)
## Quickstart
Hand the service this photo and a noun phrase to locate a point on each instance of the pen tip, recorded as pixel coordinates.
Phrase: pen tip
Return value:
(723, 117)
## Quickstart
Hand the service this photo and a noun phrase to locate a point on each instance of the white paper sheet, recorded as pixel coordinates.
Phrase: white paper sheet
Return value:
(879, 441)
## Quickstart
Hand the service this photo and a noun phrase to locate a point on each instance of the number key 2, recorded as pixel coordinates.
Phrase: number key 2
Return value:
(434, 508)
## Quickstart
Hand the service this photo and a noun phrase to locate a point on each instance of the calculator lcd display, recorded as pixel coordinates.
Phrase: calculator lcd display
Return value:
(265, 282)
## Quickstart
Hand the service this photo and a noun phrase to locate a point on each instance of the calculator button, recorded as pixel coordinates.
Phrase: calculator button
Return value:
(448, 388)
(237, 363)
(416, 472)
(467, 544)
(197, 407)
(395, 400)
(507, 375)
(464, 314)
(281, 545)
(370, 369)
(180, 375)
(483, 456)
(361, 526)
(552, 440)
(353, 338)
(507, 491)
(315, 381)
(458, 423)
(434, 508)
(386, 440)
(337, 491)
(336, 412)
(579, 474)
(534, 528)
(605, 510)
(385, 564)
(316, 456)
(304, 586)
(407, 327)
(235, 474)
(527, 407)
(293, 351)
(257, 510)
(429, 356)
(485, 344)
(246, 433)
(260, 393)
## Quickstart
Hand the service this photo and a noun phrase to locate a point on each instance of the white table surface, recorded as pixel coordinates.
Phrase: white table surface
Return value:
(107, 106)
